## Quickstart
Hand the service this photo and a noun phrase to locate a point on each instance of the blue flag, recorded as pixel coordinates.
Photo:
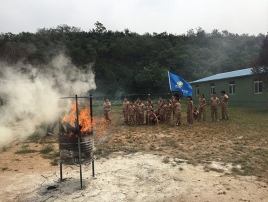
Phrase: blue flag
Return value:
(178, 84)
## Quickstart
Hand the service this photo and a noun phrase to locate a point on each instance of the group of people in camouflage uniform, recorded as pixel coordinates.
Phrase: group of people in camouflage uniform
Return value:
(169, 111)
(214, 102)
(138, 113)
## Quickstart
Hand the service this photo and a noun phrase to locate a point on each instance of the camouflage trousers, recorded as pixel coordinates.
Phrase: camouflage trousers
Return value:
(214, 113)
(125, 117)
(177, 118)
(202, 113)
(162, 118)
(224, 111)
(190, 117)
(147, 117)
(140, 118)
(131, 120)
(168, 117)
(107, 116)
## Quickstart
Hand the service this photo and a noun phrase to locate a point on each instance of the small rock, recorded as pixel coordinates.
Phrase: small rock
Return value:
(221, 192)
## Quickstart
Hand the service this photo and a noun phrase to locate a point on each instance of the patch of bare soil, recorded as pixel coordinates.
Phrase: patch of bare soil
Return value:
(134, 177)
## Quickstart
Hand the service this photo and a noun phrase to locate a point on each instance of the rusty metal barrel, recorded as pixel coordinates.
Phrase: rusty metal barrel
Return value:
(69, 150)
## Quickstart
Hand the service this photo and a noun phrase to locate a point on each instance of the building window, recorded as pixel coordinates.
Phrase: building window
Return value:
(231, 87)
(196, 89)
(212, 88)
(257, 86)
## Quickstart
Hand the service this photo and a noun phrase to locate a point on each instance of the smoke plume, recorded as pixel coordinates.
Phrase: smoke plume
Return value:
(31, 95)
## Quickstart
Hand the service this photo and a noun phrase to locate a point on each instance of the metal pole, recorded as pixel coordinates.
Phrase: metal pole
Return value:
(60, 133)
(60, 171)
(91, 117)
(79, 146)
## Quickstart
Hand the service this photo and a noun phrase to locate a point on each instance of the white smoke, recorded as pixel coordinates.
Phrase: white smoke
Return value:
(33, 95)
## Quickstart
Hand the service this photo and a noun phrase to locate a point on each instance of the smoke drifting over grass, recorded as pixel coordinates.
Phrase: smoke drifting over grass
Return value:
(32, 94)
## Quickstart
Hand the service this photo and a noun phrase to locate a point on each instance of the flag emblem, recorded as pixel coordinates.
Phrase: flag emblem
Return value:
(180, 84)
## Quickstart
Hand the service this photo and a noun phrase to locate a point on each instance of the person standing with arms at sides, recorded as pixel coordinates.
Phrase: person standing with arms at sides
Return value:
(125, 110)
(148, 108)
(140, 112)
(131, 113)
(161, 110)
(159, 103)
(202, 107)
(172, 103)
(214, 102)
(168, 110)
(224, 105)
(177, 112)
(136, 111)
(190, 111)
(107, 109)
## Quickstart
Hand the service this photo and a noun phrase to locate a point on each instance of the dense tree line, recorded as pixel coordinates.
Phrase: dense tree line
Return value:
(124, 61)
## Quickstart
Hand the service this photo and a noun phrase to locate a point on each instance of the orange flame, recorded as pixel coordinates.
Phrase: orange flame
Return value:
(70, 118)
(84, 118)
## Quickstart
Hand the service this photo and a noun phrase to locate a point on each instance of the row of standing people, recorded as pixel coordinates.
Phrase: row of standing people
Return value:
(200, 112)
(139, 113)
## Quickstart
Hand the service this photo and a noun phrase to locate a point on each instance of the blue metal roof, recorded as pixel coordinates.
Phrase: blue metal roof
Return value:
(237, 73)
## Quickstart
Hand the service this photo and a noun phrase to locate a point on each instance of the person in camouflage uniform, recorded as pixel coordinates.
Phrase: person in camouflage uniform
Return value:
(140, 112)
(161, 110)
(159, 103)
(149, 100)
(190, 111)
(177, 112)
(224, 105)
(107, 109)
(196, 113)
(152, 118)
(148, 108)
(172, 103)
(214, 102)
(136, 112)
(131, 113)
(168, 110)
(202, 107)
(125, 110)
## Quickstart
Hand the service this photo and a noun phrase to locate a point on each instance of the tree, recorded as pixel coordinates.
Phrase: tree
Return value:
(99, 28)
(260, 68)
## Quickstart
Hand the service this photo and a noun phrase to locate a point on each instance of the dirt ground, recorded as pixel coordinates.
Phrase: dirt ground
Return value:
(133, 177)
(208, 161)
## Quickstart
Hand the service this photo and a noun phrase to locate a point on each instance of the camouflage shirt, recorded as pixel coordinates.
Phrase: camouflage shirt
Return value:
(107, 106)
(202, 102)
(125, 105)
(214, 102)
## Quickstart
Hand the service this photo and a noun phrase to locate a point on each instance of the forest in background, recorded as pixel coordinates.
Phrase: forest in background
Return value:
(130, 63)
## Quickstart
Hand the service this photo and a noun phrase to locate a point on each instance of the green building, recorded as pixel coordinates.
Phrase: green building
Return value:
(241, 86)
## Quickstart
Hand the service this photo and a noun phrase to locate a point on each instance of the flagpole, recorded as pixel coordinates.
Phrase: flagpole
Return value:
(169, 81)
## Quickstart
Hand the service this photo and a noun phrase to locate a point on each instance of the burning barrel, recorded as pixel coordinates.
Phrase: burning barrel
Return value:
(76, 141)
(69, 148)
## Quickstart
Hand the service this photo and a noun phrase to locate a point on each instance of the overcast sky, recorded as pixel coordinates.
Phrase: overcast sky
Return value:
(172, 16)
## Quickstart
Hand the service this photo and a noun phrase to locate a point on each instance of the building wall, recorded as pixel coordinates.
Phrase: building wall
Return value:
(244, 91)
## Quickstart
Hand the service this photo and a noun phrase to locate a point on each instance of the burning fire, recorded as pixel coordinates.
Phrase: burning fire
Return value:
(83, 118)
